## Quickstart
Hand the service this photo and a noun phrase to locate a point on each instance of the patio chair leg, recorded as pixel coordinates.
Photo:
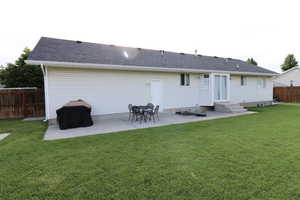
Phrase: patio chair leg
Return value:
(141, 118)
(132, 117)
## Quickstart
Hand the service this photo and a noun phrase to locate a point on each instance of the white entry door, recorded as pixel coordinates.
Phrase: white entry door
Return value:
(157, 93)
(204, 93)
(221, 87)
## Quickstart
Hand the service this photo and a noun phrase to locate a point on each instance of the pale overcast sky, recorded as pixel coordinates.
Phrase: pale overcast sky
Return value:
(266, 30)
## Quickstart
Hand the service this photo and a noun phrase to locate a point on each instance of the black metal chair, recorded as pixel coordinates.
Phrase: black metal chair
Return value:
(147, 111)
(150, 105)
(130, 111)
(154, 113)
(138, 114)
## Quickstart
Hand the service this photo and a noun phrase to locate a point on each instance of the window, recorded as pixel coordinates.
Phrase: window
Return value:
(262, 83)
(243, 80)
(185, 79)
(182, 79)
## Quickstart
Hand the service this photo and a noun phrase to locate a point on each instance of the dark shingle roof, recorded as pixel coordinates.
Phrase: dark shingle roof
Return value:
(57, 50)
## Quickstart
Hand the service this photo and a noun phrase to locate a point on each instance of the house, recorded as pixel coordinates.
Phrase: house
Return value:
(288, 78)
(110, 77)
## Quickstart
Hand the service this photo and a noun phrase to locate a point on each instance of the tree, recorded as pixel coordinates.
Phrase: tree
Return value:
(20, 74)
(251, 61)
(289, 62)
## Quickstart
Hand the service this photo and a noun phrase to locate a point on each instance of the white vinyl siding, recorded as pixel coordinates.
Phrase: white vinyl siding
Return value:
(250, 92)
(285, 79)
(110, 91)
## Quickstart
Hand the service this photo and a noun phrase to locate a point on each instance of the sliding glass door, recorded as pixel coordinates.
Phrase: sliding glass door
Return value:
(221, 87)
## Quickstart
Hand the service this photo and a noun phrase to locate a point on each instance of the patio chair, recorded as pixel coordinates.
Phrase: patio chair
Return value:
(149, 109)
(130, 111)
(154, 113)
(138, 115)
(150, 105)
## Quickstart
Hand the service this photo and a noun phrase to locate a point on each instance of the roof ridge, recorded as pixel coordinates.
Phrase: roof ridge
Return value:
(63, 50)
(114, 45)
(141, 48)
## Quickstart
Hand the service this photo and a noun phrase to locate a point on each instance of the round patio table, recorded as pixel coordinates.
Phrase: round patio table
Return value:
(143, 110)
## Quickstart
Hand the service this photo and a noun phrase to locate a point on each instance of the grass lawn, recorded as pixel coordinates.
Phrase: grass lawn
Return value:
(246, 157)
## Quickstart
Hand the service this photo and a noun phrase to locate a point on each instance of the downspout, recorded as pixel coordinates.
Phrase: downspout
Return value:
(212, 90)
(44, 70)
(42, 67)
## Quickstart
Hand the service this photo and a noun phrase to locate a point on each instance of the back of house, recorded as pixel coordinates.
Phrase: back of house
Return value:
(110, 77)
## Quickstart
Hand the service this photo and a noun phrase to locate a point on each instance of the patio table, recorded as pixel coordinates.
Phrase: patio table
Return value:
(143, 110)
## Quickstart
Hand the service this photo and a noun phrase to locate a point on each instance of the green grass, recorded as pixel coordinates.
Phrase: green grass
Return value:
(247, 157)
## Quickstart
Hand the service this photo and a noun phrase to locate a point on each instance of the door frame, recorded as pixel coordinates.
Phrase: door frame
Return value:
(213, 87)
(161, 105)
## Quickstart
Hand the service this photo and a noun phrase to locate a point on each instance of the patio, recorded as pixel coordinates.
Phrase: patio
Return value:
(103, 126)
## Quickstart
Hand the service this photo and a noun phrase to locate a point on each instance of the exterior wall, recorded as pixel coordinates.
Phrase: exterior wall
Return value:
(286, 78)
(250, 92)
(110, 91)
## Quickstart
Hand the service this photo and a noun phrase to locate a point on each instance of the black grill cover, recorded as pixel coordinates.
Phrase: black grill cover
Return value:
(74, 117)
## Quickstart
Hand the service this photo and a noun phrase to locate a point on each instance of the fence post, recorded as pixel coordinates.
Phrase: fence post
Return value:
(23, 104)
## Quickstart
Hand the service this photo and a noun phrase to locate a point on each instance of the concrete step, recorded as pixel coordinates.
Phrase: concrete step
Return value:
(229, 107)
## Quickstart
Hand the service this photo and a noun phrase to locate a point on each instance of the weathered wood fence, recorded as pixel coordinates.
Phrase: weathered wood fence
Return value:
(287, 94)
(21, 103)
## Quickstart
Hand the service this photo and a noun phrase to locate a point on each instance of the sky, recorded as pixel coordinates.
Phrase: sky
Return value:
(266, 30)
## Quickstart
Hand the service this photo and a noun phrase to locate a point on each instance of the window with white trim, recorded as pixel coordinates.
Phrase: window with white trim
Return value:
(243, 80)
(184, 79)
(262, 82)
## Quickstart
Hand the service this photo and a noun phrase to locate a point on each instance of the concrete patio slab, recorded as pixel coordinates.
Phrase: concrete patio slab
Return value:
(122, 124)
(4, 135)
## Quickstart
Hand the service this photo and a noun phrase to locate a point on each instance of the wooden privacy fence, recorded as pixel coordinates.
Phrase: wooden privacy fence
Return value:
(287, 94)
(21, 103)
